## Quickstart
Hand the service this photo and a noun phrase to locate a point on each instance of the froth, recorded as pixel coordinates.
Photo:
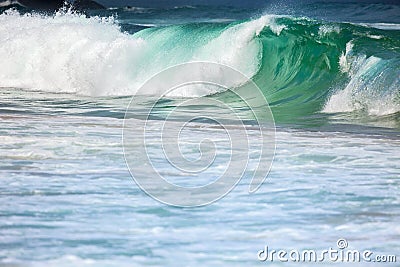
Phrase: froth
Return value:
(371, 88)
(71, 53)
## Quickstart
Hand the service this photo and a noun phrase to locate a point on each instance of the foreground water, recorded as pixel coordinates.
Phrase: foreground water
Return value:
(68, 199)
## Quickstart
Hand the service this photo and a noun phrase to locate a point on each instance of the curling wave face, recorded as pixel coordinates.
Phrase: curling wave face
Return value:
(303, 66)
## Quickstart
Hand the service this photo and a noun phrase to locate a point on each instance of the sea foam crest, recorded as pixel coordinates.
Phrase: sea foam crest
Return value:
(372, 87)
(72, 53)
(66, 52)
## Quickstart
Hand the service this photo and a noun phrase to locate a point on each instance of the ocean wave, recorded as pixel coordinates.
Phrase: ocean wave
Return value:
(303, 66)
(72, 53)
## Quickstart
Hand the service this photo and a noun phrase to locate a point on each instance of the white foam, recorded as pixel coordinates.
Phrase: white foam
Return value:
(326, 29)
(71, 53)
(382, 26)
(367, 89)
(65, 53)
(376, 37)
(344, 64)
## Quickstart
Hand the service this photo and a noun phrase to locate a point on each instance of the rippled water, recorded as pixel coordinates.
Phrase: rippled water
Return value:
(67, 198)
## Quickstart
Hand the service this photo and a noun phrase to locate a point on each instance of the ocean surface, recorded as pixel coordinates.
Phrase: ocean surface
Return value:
(329, 71)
